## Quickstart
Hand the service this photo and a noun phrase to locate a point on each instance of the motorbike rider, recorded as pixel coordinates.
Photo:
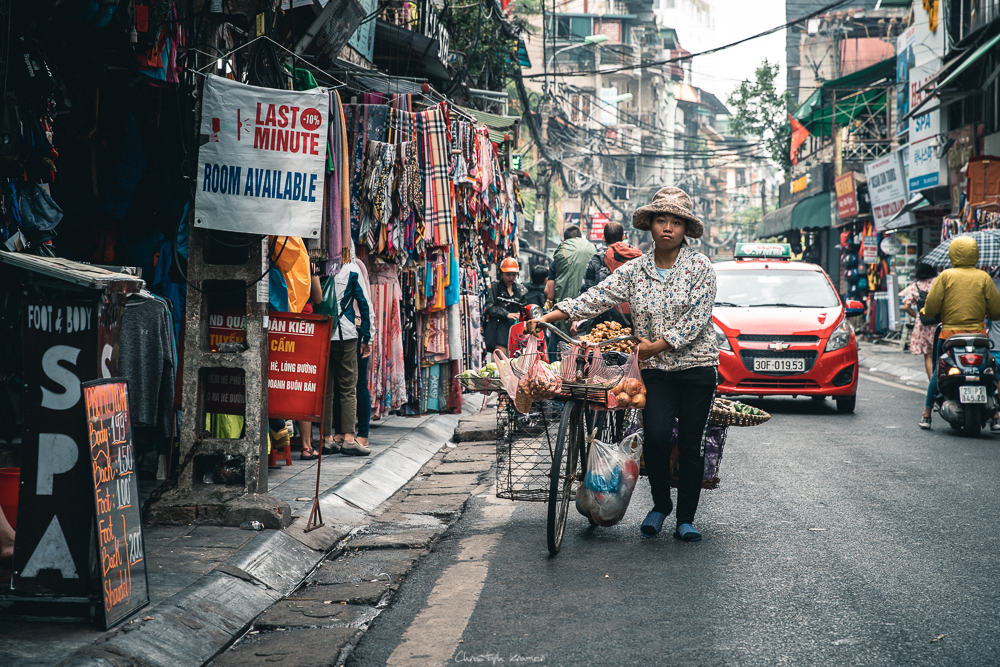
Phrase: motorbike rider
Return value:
(963, 296)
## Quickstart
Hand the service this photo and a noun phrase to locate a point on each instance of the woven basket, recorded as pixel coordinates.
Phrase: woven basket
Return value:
(724, 415)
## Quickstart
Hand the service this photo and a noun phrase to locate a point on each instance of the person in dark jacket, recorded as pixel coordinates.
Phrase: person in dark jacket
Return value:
(506, 299)
(536, 290)
(600, 267)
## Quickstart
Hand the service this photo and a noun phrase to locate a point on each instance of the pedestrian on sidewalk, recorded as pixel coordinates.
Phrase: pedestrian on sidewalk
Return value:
(353, 332)
(503, 309)
(671, 291)
(922, 338)
(963, 296)
(364, 397)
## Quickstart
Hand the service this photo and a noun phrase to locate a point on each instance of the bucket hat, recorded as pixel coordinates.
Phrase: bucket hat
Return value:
(673, 201)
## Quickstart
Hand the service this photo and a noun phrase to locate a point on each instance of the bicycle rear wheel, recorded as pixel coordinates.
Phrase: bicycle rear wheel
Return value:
(564, 466)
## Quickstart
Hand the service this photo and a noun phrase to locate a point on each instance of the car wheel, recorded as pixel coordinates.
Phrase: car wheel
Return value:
(846, 404)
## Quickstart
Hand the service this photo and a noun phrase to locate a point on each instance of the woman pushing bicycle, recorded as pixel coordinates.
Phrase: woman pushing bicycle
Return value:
(671, 291)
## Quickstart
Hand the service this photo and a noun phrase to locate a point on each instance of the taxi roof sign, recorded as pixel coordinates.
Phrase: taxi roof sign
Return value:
(763, 251)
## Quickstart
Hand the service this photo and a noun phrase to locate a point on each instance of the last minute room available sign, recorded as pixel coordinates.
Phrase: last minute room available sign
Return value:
(261, 169)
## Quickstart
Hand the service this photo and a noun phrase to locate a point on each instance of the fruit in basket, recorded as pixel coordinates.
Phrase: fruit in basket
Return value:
(632, 386)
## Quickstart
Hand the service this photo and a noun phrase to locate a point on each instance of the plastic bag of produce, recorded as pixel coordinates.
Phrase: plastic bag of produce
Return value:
(507, 377)
(630, 392)
(612, 472)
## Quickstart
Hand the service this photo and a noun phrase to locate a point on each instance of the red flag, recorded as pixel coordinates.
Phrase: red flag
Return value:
(799, 134)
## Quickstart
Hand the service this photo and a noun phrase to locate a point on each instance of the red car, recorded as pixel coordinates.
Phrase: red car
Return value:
(782, 328)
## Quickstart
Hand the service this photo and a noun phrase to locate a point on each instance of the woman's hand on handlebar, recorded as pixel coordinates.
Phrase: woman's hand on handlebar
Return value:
(531, 326)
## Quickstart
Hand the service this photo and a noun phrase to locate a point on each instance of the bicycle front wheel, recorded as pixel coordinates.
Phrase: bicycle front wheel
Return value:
(564, 461)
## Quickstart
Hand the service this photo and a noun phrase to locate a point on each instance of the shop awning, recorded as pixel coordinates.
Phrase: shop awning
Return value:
(498, 125)
(821, 121)
(865, 77)
(976, 55)
(942, 77)
(810, 213)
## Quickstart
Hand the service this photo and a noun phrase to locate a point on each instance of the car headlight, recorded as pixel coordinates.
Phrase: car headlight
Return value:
(720, 338)
(840, 337)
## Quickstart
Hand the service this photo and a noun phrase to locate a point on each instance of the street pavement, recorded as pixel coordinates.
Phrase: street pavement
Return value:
(832, 540)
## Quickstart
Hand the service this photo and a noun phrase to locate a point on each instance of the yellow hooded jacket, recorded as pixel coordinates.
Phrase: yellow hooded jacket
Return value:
(963, 296)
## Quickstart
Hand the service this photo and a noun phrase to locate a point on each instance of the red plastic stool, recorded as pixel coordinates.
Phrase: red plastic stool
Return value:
(273, 457)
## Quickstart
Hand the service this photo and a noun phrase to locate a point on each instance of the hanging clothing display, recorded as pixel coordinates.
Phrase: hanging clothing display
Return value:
(148, 358)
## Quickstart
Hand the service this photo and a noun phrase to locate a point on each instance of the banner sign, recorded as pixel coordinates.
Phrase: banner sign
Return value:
(869, 250)
(120, 550)
(886, 187)
(847, 200)
(298, 351)
(597, 223)
(261, 170)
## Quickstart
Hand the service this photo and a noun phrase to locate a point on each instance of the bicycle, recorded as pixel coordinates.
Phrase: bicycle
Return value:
(578, 426)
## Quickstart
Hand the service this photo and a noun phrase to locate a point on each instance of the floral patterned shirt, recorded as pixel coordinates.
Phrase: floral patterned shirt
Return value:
(678, 309)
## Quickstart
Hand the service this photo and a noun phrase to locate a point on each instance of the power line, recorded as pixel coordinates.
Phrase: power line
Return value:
(656, 63)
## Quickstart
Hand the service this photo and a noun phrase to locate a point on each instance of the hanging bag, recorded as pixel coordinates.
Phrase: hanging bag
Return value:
(630, 392)
(612, 472)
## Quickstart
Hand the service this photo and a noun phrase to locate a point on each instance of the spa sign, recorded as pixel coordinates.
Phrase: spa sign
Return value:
(262, 159)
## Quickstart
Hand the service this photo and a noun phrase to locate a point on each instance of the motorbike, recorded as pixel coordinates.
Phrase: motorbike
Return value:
(967, 381)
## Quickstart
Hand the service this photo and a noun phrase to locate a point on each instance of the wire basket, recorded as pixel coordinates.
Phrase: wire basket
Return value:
(481, 384)
(723, 414)
(524, 449)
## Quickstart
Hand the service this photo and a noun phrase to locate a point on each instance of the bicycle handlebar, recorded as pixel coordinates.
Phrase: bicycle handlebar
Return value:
(574, 341)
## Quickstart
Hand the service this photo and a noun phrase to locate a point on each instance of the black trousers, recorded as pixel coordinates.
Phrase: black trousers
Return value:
(688, 396)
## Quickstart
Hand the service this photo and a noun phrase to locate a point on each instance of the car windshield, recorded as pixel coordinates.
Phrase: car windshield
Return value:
(759, 288)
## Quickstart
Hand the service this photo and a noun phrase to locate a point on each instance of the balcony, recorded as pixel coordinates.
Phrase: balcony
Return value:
(619, 55)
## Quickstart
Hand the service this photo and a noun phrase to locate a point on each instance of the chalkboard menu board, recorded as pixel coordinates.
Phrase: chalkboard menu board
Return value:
(120, 552)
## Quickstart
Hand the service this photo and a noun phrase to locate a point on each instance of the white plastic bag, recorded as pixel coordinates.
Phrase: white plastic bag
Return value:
(612, 472)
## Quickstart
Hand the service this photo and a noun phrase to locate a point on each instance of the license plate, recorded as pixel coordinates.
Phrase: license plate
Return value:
(972, 394)
(779, 365)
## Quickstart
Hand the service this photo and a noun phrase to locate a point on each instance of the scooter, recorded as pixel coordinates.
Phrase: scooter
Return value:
(967, 381)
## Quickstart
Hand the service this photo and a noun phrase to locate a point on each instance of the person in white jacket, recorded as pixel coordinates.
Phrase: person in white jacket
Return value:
(351, 336)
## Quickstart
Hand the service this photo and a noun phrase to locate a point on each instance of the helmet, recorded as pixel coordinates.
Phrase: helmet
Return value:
(509, 264)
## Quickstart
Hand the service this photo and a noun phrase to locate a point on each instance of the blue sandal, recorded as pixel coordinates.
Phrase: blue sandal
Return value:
(652, 524)
(686, 532)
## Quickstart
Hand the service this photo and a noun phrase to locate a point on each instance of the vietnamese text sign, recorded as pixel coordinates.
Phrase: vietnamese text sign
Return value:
(847, 200)
(120, 551)
(298, 350)
(597, 224)
(869, 250)
(886, 187)
(262, 168)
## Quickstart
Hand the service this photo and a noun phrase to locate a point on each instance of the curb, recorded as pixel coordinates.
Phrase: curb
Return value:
(193, 626)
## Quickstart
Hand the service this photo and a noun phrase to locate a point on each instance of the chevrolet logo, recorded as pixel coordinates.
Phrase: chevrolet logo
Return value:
(778, 346)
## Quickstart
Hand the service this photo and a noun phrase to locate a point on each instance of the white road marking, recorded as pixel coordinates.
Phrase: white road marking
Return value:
(433, 637)
(922, 392)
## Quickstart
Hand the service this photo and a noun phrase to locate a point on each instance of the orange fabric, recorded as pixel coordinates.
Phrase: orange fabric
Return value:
(294, 265)
(948, 333)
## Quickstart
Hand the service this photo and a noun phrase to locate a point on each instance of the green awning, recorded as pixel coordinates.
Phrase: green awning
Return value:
(976, 55)
(497, 125)
(522, 55)
(808, 107)
(864, 77)
(821, 121)
(810, 213)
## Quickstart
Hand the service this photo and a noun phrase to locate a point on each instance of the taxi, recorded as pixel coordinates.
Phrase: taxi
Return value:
(782, 328)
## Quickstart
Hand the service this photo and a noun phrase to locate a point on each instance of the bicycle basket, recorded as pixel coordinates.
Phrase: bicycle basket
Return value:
(524, 449)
